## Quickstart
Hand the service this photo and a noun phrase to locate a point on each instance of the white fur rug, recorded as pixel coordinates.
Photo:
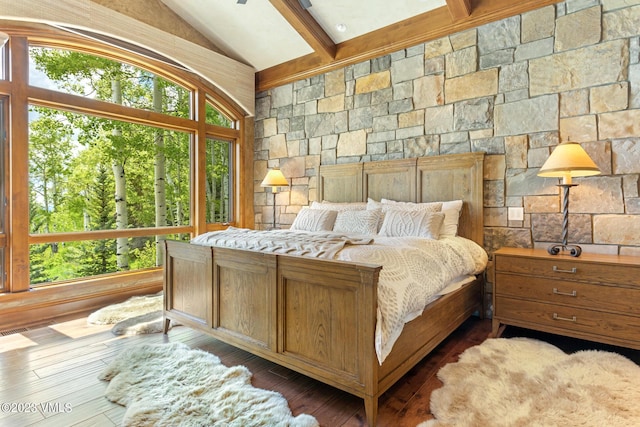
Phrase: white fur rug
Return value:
(525, 382)
(137, 315)
(173, 385)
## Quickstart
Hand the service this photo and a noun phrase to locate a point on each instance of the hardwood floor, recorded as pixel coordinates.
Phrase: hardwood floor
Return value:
(58, 365)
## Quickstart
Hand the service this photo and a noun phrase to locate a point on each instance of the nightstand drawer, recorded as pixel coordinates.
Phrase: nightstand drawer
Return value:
(569, 269)
(570, 319)
(563, 292)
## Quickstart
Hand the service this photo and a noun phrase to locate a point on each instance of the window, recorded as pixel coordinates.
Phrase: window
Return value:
(110, 151)
(76, 164)
(215, 117)
(100, 78)
(219, 181)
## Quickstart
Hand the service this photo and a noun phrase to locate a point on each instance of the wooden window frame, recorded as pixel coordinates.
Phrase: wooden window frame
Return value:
(21, 95)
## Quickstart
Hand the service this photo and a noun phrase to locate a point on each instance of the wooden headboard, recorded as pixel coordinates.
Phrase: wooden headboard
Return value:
(423, 179)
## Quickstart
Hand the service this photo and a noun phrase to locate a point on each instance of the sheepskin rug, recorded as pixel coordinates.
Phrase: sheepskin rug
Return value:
(174, 385)
(137, 315)
(526, 382)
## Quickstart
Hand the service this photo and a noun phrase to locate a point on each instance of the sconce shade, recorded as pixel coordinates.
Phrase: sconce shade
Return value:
(568, 160)
(274, 178)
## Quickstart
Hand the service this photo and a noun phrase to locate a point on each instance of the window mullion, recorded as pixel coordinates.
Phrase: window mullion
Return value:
(18, 226)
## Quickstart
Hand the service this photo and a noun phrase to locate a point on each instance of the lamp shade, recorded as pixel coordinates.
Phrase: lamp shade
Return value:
(568, 160)
(274, 178)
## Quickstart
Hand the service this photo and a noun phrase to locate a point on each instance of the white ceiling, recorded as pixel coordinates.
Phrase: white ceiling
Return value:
(257, 34)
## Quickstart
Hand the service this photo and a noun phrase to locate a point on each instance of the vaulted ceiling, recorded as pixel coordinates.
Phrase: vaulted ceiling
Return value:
(287, 40)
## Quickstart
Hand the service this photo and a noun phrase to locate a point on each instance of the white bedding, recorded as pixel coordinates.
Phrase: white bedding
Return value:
(316, 244)
(415, 271)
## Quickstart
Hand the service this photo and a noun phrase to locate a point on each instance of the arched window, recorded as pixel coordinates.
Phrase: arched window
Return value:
(107, 154)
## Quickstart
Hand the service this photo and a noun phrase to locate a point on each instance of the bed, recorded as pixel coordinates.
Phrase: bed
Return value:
(318, 316)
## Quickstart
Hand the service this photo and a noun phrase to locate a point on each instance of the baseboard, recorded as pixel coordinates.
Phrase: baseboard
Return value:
(44, 305)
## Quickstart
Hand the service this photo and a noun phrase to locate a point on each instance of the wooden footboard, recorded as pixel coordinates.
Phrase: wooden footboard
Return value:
(314, 316)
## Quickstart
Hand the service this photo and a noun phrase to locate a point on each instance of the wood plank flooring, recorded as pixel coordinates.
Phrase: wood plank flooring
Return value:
(52, 371)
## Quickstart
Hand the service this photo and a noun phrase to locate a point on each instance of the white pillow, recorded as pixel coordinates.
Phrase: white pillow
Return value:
(451, 212)
(429, 207)
(335, 206)
(314, 220)
(372, 204)
(417, 223)
(359, 222)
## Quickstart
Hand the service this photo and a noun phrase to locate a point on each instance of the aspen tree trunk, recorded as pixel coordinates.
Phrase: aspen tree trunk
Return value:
(45, 200)
(122, 218)
(208, 189)
(214, 188)
(159, 174)
(86, 218)
(178, 212)
(224, 202)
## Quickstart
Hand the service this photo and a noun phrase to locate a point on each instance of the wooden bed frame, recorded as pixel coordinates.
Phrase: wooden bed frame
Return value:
(318, 317)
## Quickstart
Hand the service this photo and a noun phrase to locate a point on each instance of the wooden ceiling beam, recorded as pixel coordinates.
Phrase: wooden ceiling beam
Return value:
(302, 21)
(411, 32)
(459, 9)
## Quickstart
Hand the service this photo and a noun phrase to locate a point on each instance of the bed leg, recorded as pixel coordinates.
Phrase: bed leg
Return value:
(371, 410)
(167, 322)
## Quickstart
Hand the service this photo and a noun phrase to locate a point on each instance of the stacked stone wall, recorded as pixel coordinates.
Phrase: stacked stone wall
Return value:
(513, 89)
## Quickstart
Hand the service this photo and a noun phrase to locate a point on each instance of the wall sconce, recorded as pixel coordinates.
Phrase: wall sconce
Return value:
(274, 179)
(568, 160)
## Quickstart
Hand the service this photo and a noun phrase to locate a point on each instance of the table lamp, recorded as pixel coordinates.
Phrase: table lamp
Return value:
(567, 160)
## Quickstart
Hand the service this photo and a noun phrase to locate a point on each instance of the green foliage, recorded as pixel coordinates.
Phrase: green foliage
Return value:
(215, 117)
(72, 182)
(218, 185)
(93, 76)
(144, 256)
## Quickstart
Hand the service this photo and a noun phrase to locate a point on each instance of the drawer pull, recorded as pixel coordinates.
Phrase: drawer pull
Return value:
(567, 294)
(572, 271)
(566, 319)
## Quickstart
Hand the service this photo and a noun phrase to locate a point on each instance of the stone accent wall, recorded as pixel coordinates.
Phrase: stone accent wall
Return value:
(513, 89)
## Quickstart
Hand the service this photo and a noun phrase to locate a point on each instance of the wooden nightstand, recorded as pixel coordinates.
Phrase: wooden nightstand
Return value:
(594, 297)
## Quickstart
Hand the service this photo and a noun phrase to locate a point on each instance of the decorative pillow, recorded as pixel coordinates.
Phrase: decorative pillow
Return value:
(451, 212)
(373, 204)
(417, 223)
(359, 222)
(429, 207)
(314, 220)
(335, 206)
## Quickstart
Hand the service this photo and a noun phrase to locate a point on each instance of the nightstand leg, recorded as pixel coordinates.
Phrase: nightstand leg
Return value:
(496, 329)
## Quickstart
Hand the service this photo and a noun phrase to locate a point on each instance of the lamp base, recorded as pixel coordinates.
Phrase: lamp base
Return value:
(573, 250)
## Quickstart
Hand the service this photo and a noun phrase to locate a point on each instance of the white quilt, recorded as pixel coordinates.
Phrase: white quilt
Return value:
(414, 270)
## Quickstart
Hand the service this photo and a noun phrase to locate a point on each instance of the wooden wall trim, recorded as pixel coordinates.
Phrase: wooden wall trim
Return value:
(459, 9)
(419, 29)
